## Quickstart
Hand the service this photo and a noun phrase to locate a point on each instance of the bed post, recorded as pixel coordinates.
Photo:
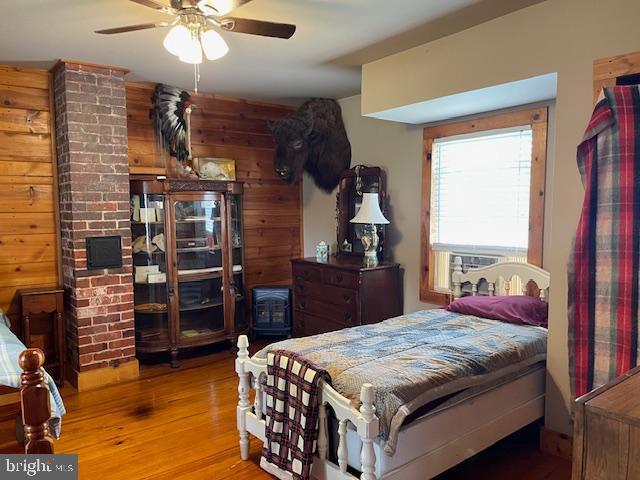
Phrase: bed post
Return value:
(457, 270)
(243, 396)
(368, 431)
(34, 399)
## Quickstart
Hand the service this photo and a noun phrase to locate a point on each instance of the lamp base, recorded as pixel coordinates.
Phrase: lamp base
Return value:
(370, 259)
(370, 245)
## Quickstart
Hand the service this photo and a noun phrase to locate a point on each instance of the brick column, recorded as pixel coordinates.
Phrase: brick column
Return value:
(93, 179)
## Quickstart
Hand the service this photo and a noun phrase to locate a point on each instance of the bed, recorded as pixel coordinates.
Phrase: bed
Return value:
(25, 387)
(408, 431)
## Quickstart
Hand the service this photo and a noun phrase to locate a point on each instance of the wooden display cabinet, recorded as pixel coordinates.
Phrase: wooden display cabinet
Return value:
(187, 242)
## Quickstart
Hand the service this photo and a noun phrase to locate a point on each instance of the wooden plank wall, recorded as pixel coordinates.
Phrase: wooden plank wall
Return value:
(28, 203)
(236, 129)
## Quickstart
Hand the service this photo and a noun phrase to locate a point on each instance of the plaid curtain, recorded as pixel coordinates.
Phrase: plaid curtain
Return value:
(604, 266)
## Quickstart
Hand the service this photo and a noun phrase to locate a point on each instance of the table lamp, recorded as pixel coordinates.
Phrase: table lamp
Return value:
(370, 215)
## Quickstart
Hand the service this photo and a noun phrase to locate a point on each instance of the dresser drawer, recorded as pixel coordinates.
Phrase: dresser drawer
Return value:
(342, 297)
(306, 324)
(344, 316)
(340, 278)
(307, 273)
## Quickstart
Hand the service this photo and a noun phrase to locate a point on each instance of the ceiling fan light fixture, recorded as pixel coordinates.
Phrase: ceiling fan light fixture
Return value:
(177, 40)
(192, 52)
(213, 45)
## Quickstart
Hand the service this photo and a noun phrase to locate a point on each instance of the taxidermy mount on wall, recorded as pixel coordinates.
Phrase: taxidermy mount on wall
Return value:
(170, 113)
(313, 139)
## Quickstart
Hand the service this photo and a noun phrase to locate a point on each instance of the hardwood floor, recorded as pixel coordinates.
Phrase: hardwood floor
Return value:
(180, 424)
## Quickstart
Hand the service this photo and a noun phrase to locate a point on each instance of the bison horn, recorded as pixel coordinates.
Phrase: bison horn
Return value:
(309, 130)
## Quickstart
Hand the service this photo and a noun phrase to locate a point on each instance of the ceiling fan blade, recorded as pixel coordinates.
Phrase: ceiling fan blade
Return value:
(257, 27)
(155, 5)
(220, 7)
(132, 28)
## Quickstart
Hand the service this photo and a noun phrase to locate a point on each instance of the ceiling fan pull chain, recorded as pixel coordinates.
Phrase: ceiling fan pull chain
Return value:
(196, 76)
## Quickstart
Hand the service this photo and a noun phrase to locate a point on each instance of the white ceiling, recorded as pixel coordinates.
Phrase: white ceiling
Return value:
(323, 58)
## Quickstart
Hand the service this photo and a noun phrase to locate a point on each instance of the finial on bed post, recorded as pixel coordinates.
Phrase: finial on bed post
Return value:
(243, 396)
(543, 294)
(368, 431)
(457, 271)
(34, 399)
(243, 347)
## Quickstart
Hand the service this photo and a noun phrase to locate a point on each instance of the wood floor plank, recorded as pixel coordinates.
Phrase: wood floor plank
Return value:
(180, 425)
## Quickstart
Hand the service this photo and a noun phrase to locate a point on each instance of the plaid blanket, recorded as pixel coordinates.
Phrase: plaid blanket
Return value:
(292, 389)
(605, 264)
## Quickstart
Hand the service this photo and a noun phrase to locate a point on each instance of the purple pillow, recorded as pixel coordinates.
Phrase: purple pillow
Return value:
(514, 309)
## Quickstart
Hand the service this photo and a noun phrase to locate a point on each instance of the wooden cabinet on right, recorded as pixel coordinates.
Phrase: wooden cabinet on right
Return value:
(607, 431)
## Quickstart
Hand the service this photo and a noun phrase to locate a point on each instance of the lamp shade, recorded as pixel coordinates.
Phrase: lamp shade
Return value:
(370, 211)
(192, 52)
(177, 40)
(213, 45)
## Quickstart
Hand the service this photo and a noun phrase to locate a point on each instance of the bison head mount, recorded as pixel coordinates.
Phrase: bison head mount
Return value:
(313, 139)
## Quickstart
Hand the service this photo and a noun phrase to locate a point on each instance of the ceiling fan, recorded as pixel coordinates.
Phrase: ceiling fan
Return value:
(194, 27)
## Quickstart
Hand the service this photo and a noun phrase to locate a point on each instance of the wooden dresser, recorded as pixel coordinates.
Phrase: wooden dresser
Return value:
(342, 293)
(606, 440)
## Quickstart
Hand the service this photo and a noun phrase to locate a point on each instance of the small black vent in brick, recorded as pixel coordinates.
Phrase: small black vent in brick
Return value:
(104, 252)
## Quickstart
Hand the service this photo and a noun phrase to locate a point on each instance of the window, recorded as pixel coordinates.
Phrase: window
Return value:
(483, 195)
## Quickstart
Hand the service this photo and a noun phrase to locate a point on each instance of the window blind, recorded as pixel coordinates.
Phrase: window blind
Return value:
(480, 191)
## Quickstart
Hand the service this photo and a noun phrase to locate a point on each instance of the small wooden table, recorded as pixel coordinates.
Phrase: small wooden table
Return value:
(38, 303)
(606, 440)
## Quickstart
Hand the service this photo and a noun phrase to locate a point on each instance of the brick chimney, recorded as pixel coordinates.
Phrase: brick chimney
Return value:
(93, 179)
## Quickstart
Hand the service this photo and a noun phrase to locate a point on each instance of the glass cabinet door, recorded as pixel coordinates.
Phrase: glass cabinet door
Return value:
(199, 267)
(150, 271)
(237, 260)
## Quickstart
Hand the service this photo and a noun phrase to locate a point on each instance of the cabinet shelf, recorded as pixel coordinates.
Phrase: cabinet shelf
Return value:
(151, 312)
(203, 306)
(197, 249)
(152, 335)
(201, 338)
(199, 220)
(199, 274)
(146, 223)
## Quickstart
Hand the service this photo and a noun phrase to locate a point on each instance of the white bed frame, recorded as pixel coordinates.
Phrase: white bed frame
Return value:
(428, 459)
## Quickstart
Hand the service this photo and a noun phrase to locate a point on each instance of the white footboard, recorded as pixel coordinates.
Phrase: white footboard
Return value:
(251, 419)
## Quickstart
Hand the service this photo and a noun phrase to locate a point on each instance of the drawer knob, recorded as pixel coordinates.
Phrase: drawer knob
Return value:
(302, 306)
(339, 278)
(347, 317)
(347, 298)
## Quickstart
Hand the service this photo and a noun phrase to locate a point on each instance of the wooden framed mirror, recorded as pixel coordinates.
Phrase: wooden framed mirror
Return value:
(353, 182)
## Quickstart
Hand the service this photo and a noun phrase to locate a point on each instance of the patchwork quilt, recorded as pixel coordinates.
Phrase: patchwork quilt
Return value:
(292, 394)
(416, 358)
